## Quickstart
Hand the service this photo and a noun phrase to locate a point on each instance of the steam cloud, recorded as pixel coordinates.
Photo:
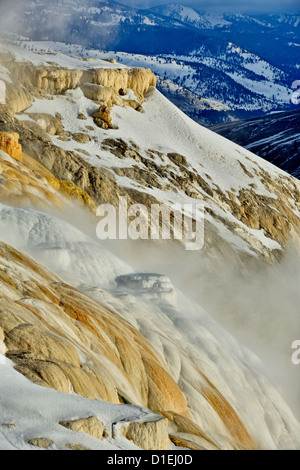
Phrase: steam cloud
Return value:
(260, 308)
(59, 21)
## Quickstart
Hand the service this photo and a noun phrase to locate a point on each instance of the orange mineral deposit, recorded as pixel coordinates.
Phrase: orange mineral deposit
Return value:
(9, 143)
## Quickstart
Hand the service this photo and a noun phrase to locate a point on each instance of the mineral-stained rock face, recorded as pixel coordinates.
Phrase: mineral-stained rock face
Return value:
(47, 354)
(9, 143)
(57, 80)
(60, 338)
(27, 182)
(18, 97)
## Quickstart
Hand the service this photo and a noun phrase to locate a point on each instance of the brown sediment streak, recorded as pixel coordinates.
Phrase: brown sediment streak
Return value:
(228, 415)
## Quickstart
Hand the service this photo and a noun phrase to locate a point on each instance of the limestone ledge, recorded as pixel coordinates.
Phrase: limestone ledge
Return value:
(35, 81)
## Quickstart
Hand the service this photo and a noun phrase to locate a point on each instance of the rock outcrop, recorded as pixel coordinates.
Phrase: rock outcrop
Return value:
(40, 442)
(18, 97)
(65, 169)
(105, 83)
(25, 181)
(45, 353)
(148, 435)
(91, 425)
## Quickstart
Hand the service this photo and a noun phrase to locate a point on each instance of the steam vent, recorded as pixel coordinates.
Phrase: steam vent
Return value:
(150, 284)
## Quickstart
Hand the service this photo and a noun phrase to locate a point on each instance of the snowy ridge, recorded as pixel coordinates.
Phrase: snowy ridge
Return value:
(191, 17)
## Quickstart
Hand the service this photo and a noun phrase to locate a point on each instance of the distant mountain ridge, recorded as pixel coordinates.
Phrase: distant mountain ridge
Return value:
(275, 138)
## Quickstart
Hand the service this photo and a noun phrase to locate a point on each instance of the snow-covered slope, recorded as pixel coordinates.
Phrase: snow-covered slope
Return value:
(212, 169)
(35, 421)
(207, 169)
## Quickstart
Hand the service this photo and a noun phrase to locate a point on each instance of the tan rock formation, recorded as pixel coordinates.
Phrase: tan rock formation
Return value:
(49, 79)
(80, 137)
(18, 97)
(103, 94)
(56, 80)
(119, 80)
(47, 354)
(102, 118)
(41, 442)
(108, 97)
(140, 80)
(90, 425)
(57, 165)
(72, 191)
(76, 447)
(28, 182)
(150, 435)
(184, 432)
(50, 124)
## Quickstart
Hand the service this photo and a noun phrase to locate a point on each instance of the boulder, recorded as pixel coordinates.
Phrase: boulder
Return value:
(80, 137)
(148, 435)
(50, 124)
(41, 442)
(102, 118)
(90, 425)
